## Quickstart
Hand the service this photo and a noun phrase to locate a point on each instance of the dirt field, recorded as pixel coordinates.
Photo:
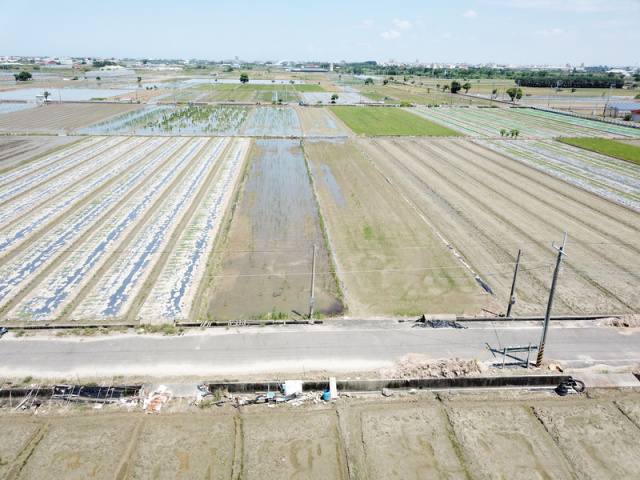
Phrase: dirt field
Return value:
(454, 435)
(60, 118)
(321, 122)
(16, 149)
(390, 264)
(487, 207)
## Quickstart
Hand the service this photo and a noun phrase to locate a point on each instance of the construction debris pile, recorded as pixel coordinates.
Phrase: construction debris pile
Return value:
(419, 366)
(628, 321)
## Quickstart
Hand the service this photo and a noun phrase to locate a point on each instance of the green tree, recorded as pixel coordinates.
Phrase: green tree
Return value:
(455, 87)
(368, 81)
(385, 81)
(334, 97)
(244, 77)
(466, 87)
(494, 92)
(98, 78)
(503, 132)
(514, 92)
(514, 133)
(445, 87)
(46, 95)
(22, 76)
(139, 79)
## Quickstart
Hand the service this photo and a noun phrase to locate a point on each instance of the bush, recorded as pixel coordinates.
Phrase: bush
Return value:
(405, 104)
(628, 117)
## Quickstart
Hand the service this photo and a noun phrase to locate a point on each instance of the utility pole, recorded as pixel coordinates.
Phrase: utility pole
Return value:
(553, 289)
(512, 297)
(313, 278)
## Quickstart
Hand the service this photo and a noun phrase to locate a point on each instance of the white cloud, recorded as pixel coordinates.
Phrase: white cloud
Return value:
(402, 24)
(369, 23)
(549, 33)
(469, 14)
(446, 35)
(390, 35)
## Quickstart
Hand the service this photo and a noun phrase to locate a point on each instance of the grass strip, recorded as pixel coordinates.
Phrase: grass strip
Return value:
(390, 121)
(612, 148)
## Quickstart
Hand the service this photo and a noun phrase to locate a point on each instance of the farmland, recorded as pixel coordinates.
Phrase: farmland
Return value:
(487, 207)
(198, 120)
(265, 269)
(278, 121)
(59, 118)
(15, 149)
(125, 122)
(320, 122)
(67, 258)
(376, 252)
(613, 179)
(389, 121)
(169, 212)
(531, 123)
(473, 435)
(608, 147)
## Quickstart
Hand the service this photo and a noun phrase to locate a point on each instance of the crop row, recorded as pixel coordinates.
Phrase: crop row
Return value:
(120, 284)
(198, 120)
(126, 121)
(489, 123)
(21, 269)
(41, 206)
(607, 177)
(175, 288)
(79, 267)
(30, 173)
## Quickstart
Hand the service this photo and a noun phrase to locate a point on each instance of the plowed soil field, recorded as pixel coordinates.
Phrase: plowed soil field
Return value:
(60, 118)
(487, 206)
(455, 435)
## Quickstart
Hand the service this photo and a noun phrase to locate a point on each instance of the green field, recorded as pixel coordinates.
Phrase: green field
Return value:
(390, 121)
(308, 88)
(608, 147)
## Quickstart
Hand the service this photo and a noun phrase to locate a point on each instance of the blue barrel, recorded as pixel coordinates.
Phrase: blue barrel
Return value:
(327, 395)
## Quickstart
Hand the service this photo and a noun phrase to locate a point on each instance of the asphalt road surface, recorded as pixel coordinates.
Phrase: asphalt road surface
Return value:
(337, 347)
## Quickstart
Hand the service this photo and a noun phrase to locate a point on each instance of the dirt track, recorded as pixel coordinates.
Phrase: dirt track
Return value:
(488, 206)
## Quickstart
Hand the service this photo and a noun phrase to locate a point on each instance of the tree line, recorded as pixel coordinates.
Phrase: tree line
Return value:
(569, 81)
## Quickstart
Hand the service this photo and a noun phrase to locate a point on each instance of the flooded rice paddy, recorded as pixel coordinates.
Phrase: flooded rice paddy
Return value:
(267, 265)
(126, 122)
(198, 120)
(274, 121)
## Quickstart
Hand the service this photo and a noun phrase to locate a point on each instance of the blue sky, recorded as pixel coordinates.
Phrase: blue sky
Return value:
(503, 31)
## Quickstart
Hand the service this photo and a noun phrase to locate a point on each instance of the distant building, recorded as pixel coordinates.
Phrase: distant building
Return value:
(110, 72)
(311, 70)
(635, 115)
(616, 110)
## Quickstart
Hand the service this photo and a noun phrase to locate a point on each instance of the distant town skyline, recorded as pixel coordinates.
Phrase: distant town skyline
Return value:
(540, 32)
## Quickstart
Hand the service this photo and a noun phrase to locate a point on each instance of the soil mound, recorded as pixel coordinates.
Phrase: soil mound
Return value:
(628, 321)
(419, 366)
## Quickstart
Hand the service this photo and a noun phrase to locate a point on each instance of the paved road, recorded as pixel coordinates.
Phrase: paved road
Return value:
(337, 347)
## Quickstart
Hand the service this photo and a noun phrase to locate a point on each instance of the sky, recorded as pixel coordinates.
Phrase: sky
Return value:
(542, 32)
